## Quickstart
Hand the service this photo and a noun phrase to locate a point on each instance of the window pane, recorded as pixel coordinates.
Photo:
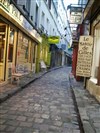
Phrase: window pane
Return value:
(11, 45)
(2, 41)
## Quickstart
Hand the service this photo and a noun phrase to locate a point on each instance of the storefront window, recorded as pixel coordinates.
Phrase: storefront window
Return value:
(22, 51)
(2, 41)
(11, 45)
(25, 46)
(34, 53)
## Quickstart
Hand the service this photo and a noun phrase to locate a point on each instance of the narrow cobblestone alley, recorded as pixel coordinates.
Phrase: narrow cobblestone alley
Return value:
(45, 106)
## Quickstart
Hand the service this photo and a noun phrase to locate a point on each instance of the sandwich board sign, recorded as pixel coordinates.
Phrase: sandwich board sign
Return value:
(85, 53)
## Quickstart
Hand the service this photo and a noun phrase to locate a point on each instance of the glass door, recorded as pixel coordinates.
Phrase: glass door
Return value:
(3, 36)
(10, 51)
(8, 39)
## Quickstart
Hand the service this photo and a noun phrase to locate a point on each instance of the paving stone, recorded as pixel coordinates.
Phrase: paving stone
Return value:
(3, 97)
(97, 125)
(58, 123)
(2, 127)
(76, 131)
(44, 127)
(37, 105)
(29, 114)
(2, 121)
(37, 120)
(27, 130)
(88, 128)
(30, 119)
(2, 132)
(12, 117)
(11, 112)
(35, 131)
(36, 115)
(3, 111)
(53, 107)
(10, 129)
(54, 129)
(21, 118)
(13, 108)
(96, 119)
(26, 124)
(12, 122)
(97, 130)
(18, 130)
(45, 116)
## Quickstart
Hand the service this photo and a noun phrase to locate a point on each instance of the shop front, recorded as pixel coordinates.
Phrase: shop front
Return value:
(8, 35)
(93, 15)
(18, 41)
(26, 52)
(93, 84)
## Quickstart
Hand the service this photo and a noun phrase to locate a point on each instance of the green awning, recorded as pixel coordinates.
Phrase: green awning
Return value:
(53, 39)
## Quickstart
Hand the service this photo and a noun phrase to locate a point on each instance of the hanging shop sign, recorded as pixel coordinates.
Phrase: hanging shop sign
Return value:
(63, 46)
(75, 35)
(53, 39)
(85, 53)
(76, 15)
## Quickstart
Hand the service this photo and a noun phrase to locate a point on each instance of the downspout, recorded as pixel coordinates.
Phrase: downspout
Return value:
(98, 77)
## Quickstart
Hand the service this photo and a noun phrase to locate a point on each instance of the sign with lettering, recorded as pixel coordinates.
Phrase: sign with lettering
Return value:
(6, 4)
(76, 15)
(84, 60)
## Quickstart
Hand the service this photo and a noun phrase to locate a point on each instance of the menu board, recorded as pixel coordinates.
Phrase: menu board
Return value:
(84, 60)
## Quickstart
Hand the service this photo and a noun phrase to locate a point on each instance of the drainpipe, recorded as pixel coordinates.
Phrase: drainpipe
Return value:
(98, 78)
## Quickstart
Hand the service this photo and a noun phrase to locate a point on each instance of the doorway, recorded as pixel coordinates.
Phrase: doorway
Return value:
(7, 50)
(3, 36)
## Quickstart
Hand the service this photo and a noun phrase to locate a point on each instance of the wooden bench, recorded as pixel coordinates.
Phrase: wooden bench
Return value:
(18, 72)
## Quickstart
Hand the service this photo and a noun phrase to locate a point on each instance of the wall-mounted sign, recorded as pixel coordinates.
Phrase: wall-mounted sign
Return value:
(76, 15)
(85, 53)
(53, 39)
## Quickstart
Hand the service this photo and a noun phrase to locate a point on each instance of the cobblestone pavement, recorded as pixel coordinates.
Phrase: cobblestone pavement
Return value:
(45, 106)
(88, 107)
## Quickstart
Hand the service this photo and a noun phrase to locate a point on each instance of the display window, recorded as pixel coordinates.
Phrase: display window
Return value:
(3, 29)
(7, 46)
(11, 45)
(34, 52)
(2, 41)
(23, 49)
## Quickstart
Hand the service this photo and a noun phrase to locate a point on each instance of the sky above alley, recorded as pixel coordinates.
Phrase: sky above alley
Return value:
(68, 2)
